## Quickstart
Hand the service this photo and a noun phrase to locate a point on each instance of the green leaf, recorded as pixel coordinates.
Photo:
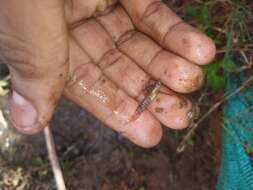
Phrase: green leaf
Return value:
(190, 142)
(43, 173)
(215, 81)
(213, 67)
(191, 11)
(228, 64)
(201, 15)
(214, 77)
(204, 17)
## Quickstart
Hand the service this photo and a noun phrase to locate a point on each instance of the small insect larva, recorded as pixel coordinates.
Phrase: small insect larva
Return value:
(152, 91)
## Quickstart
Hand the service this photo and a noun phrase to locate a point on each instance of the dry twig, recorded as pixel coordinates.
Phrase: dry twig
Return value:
(194, 126)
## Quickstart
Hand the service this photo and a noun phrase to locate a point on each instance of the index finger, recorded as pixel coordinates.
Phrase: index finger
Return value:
(155, 19)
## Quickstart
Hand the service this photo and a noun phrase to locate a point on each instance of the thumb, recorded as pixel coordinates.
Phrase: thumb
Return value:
(33, 43)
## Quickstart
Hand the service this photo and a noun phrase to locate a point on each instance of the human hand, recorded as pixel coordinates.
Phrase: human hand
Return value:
(34, 43)
(112, 58)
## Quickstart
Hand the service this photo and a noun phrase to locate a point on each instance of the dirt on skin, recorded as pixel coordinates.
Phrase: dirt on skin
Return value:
(93, 157)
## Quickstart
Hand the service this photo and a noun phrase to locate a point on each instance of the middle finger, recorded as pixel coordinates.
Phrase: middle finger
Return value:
(174, 71)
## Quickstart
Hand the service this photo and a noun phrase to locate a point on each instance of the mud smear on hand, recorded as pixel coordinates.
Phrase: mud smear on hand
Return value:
(159, 110)
(191, 84)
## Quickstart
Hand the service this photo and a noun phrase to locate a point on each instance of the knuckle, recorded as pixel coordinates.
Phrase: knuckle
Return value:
(29, 59)
(14, 50)
(153, 59)
(159, 20)
(151, 10)
(84, 75)
(127, 36)
(102, 5)
(109, 58)
(169, 30)
(20, 59)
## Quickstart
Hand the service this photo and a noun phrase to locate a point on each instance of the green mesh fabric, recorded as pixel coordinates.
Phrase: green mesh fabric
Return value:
(236, 172)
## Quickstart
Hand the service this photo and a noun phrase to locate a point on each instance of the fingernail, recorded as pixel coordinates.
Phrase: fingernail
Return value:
(22, 112)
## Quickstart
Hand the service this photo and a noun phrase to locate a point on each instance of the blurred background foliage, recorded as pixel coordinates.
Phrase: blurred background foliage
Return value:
(229, 24)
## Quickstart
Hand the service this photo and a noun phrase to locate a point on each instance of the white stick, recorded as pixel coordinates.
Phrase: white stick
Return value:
(59, 180)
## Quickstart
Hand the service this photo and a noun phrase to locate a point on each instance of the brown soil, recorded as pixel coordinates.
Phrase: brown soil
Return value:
(94, 157)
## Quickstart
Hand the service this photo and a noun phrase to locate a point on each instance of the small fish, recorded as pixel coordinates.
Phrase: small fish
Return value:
(152, 91)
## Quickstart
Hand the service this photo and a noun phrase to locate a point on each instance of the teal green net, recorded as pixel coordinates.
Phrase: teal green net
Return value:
(236, 172)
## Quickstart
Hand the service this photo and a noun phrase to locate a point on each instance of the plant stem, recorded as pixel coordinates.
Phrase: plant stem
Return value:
(194, 126)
